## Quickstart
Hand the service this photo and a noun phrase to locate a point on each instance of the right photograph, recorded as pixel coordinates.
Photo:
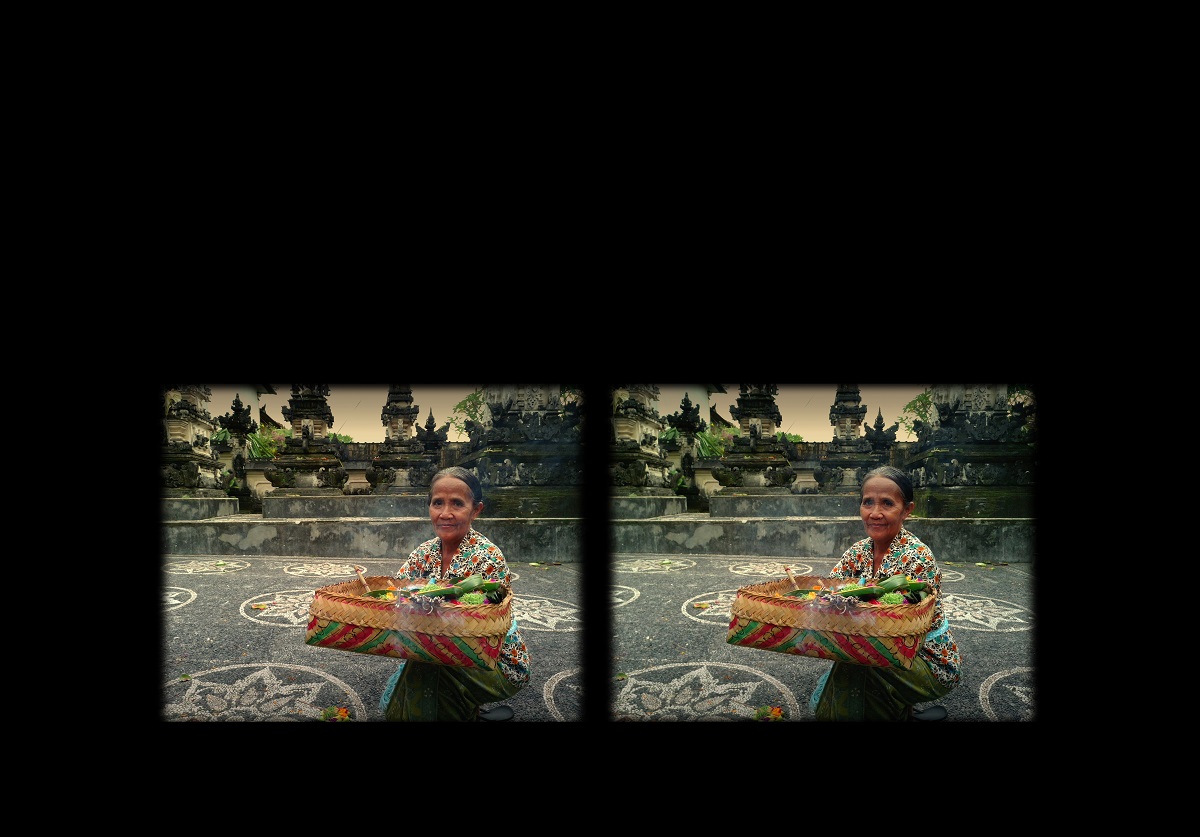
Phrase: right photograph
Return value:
(823, 552)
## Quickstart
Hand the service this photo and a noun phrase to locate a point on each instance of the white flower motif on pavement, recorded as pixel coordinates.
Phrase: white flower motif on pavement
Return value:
(346, 572)
(983, 613)
(536, 613)
(772, 570)
(327, 569)
(177, 597)
(199, 567)
(622, 595)
(563, 695)
(718, 610)
(257, 692)
(285, 608)
(1013, 700)
(698, 695)
(652, 565)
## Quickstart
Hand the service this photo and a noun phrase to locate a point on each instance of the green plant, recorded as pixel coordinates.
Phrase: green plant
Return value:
(471, 408)
(677, 481)
(262, 445)
(710, 446)
(919, 409)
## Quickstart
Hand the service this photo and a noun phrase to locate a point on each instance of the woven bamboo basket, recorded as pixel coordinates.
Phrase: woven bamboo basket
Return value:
(340, 617)
(872, 635)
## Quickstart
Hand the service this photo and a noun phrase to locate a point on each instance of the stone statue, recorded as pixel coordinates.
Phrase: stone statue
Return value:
(881, 440)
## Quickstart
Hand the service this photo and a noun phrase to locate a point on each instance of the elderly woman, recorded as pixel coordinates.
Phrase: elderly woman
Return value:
(852, 692)
(430, 692)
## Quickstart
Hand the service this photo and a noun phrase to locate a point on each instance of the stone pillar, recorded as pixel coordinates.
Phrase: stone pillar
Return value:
(846, 414)
(638, 466)
(399, 414)
(235, 452)
(683, 452)
(190, 468)
(192, 485)
(849, 455)
(308, 465)
(757, 463)
(409, 456)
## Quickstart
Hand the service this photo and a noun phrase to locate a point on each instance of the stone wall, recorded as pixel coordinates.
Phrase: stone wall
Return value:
(561, 539)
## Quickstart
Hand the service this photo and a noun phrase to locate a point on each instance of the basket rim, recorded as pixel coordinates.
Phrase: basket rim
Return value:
(750, 589)
(860, 619)
(328, 592)
(446, 619)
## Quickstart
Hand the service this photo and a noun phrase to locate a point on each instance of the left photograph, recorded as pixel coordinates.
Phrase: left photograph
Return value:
(390, 553)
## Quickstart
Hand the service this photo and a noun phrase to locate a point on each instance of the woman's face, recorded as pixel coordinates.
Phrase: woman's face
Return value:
(452, 509)
(883, 509)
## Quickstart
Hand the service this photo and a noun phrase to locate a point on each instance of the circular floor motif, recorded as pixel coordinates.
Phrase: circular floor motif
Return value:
(622, 595)
(710, 608)
(772, 570)
(345, 572)
(537, 613)
(572, 687)
(208, 566)
(177, 597)
(705, 692)
(1008, 695)
(258, 692)
(983, 613)
(652, 565)
(328, 569)
(951, 575)
(281, 609)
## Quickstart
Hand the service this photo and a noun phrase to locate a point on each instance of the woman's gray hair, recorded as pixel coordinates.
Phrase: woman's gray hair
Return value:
(463, 474)
(895, 475)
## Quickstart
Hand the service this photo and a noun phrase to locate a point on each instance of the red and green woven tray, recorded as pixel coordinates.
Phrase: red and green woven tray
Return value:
(340, 618)
(865, 634)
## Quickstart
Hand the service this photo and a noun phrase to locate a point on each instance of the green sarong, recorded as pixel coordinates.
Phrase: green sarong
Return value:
(431, 692)
(874, 693)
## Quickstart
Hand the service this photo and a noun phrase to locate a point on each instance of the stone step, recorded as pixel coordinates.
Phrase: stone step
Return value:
(974, 540)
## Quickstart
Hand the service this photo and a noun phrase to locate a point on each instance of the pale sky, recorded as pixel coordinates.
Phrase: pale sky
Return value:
(357, 408)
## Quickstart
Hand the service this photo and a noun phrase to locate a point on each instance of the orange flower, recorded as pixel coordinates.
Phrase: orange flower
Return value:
(769, 713)
(335, 713)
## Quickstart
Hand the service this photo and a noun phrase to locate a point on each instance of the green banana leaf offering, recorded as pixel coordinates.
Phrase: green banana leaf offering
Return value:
(894, 584)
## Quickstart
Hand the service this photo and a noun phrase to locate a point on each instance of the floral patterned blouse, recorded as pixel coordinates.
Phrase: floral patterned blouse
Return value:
(908, 555)
(476, 554)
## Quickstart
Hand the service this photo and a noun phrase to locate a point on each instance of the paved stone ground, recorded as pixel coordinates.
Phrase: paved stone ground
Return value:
(233, 646)
(671, 660)
(233, 642)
